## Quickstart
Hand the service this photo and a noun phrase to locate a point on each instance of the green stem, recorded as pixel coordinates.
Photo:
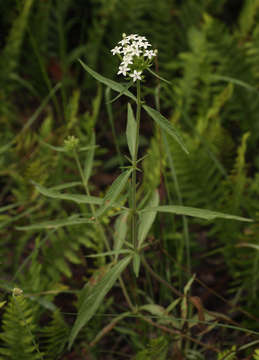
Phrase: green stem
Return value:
(92, 207)
(100, 228)
(134, 172)
(126, 295)
(84, 181)
(159, 278)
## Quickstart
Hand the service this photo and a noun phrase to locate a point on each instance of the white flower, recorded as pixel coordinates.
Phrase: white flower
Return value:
(132, 50)
(123, 70)
(124, 41)
(150, 53)
(127, 50)
(116, 50)
(135, 51)
(136, 75)
(133, 37)
(143, 44)
(127, 61)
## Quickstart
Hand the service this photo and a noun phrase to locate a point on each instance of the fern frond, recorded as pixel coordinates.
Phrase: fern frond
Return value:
(256, 355)
(17, 336)
(11, 52)
(157, 349)
(248, 16)
(54, 336)
(229, 354)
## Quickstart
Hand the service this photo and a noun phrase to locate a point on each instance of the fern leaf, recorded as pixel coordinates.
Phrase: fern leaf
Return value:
(17, 336)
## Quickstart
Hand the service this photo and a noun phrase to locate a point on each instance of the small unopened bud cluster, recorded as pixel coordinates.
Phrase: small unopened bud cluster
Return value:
(17, 292)
(71, 143)
(135, 54)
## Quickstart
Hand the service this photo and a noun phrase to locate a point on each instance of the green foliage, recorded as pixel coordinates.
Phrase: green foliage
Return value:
(55, 336)
(17, 336)
(13, 47)
(256, 354)
(156, 349)
(209, 54)
(228, 354)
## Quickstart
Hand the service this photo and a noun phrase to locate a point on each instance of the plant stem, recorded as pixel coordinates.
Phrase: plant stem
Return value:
(100, 228)
(92, 207)
(134, 172)
(159, 278)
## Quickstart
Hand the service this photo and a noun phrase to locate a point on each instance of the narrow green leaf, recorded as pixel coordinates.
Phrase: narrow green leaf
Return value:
(52, 147)
(5, 147)
(154, 309)
(12, 219)
(112, 252)
(64, 149)
(54, 224)
(159, 77)
(78, 198)
(66, 185)
(122, 93)
(136, 264)
(117, 186)
(253, 246)
(89, 159)
(189, 284)
(234, 81)
(121, 228)
(42, 107)
(110, 83)
(147, 219)
(195, 212)
(9, 207)
(166, 125)
(93, 299)
(131, 131)
(114, 191)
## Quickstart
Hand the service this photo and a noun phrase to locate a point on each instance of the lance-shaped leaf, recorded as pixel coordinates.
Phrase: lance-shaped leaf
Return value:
(6, 147)
(195, 212)
(131, 131)
(121, 228)
(94, 298)
(54, 224)
(78, 198)
(165, 125)
(89, 159)
(147, 218)
(108, 82)
(136, 264)
(114, 191)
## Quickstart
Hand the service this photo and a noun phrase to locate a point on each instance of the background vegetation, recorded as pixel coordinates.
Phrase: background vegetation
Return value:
(209, 51)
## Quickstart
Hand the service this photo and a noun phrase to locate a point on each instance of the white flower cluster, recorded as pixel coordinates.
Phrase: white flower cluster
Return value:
(134, 54)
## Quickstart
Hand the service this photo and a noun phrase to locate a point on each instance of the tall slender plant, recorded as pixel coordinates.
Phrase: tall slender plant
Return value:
(136, 57)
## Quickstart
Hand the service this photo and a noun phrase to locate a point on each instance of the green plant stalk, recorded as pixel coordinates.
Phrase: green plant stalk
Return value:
(100, 228)
(134, 172)
(92, 207)
(159, 278)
